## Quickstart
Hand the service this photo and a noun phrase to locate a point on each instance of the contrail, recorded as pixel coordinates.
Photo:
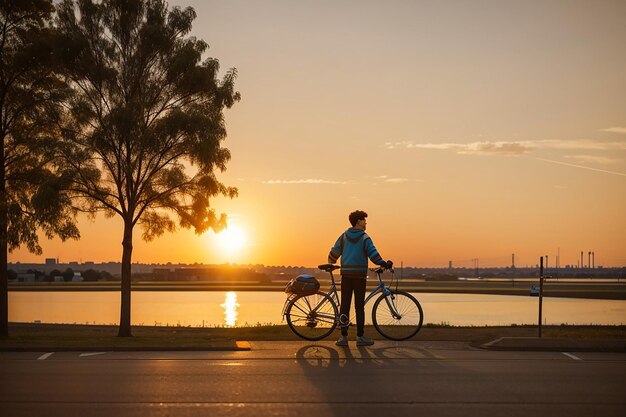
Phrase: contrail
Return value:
(583, 167)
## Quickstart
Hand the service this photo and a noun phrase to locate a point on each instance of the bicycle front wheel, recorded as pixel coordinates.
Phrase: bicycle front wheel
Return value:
(397, 316)
(312, 317)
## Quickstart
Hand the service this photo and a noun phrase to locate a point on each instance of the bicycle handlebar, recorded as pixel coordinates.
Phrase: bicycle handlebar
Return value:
(332, 267)
(381, 269)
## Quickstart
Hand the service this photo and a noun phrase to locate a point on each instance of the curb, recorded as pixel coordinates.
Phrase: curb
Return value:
(555, 344)
(231, 347)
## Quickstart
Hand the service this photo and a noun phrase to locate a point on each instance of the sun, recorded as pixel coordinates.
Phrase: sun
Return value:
(231, 240)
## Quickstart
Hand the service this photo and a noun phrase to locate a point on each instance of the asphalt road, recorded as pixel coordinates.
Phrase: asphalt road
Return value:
(316, 379)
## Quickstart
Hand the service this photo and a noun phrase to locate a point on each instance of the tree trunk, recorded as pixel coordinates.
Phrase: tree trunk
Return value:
(4, 277)
(4, 245)
(127, 245)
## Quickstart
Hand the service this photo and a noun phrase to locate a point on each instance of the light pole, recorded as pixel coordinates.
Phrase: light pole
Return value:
(540, 293)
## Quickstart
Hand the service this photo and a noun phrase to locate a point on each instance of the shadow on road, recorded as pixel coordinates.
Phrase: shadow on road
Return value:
(321, 355)
(334, 372)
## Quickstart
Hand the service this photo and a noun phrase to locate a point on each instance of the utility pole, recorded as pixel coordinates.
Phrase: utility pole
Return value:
(540, 293)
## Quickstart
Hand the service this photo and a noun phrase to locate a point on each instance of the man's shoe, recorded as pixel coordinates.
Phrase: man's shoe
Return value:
(364, 341)
(343, 341)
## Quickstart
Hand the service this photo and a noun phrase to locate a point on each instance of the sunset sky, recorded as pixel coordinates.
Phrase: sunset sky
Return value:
(466, 129)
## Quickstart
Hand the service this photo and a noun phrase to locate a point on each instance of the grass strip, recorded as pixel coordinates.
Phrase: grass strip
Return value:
(24, 336)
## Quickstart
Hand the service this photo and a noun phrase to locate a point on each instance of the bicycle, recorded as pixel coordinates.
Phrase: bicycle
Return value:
(396, 314)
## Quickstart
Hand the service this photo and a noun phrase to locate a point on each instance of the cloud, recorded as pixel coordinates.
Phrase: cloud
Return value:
(383, 178)
(592, 159)
(511, 148)
(582, 167)
(392, 180)
(303, 181)
(396, 180)
(581, 144)
(495, 148)
(615, 129)
(477, 148)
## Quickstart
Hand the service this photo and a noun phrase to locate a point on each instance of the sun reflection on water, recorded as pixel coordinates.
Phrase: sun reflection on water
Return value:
(230, 309)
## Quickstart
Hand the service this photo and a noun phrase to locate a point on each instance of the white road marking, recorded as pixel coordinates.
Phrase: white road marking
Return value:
(45, 356)
(82, 355)
(569, 355)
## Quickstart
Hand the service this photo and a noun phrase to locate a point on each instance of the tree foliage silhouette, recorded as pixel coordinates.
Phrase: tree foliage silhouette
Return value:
(145, 126)
(31, 192)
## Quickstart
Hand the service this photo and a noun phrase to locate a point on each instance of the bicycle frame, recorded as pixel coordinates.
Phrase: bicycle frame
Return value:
(381, 287)
(332, 293)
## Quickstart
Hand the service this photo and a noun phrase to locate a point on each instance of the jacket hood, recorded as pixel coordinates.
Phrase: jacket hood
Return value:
(353, 234)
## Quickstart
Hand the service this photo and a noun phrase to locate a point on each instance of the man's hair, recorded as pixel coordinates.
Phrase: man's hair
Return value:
(355, 216)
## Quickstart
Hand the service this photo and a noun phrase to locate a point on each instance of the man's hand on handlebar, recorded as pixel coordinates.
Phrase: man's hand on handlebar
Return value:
(385, 265)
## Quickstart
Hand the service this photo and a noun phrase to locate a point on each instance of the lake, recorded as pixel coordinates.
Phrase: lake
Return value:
(248, 308)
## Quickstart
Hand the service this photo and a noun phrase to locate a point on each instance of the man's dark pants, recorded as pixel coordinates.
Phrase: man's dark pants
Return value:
(350, 284)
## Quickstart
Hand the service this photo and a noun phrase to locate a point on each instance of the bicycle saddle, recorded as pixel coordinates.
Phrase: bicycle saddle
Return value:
(328, 267)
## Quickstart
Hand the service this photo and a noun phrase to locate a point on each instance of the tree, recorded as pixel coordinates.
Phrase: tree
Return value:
(91, 275)
(68, 274)
(12, 275)
(107, 276)
(146, 120)
(31, 192)
(36, 272)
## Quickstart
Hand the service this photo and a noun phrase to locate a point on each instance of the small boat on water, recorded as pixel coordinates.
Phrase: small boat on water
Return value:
(534, 290)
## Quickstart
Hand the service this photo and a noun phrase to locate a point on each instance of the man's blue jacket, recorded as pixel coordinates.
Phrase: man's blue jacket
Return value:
(354, 246)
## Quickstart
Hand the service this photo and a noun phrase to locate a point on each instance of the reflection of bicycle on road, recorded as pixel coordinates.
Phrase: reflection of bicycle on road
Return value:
(396, 314)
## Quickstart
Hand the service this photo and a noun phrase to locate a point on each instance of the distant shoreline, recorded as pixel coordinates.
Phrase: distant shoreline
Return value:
(589, 290)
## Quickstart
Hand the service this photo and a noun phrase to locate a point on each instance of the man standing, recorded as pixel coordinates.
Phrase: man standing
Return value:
(354, 246)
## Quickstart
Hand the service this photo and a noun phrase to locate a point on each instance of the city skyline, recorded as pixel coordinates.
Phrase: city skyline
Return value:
(586, 260)
(464, 130)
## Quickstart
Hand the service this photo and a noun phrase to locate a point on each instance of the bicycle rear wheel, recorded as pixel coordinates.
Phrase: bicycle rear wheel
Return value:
(312, 317)
(403, 325)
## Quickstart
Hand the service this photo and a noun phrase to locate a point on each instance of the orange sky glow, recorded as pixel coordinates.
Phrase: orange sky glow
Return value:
(465, 129)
